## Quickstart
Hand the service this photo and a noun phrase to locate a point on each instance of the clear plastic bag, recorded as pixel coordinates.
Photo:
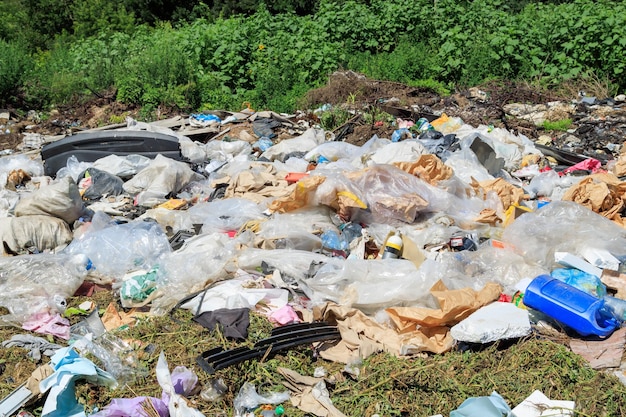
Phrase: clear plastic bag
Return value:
(225, 215)
(34, 168)
(119, 248)
(562, 226)
(369, 285)
(303, 143)
(73, 168)
(248, 399)
(203, 260)
(122, 166)
(116, 356)
(32, 283)
(162, 177)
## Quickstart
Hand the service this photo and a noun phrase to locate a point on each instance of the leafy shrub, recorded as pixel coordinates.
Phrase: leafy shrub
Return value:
(14, 63)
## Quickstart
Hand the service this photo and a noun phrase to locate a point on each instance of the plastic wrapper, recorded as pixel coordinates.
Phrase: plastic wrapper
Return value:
(162, 177)
(538, 235)
(33, 233)
(369, 285)
(249, 400)
(33, 283)
(119, 248)
(61, 199)
(203, 260)
(225, 215)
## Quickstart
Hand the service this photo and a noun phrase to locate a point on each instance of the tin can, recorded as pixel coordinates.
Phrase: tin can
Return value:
(423, 125)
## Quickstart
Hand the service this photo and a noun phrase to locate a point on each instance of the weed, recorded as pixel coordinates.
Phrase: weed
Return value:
(559, 125)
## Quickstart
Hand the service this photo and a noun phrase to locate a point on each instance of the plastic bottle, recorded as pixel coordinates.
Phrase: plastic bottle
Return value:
(567, 304)
(393, 247)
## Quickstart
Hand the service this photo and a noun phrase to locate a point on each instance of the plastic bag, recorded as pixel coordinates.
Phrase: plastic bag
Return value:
(225, 215)
(61, 199)
(248, 399)
(162, 177)
(8, 201)
(293, 230)
(538, 235)
(294, 265)
(117, 357)
(122, 166)
(368, 285)
(73, 168)
(32, 283)
(226, 151)
(10, 163)
(98, 184)
(177, 404)
(203, 260)
(334, 151)
(393, 195)
(191, 150)
(405, 151)
(119, 248)
(303, 143)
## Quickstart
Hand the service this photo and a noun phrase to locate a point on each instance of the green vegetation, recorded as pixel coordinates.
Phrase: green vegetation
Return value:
(561, 125)
(198, 56)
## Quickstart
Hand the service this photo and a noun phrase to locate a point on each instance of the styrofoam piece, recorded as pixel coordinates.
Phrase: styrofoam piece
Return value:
(572, 261)
(493, 322)
(601, 258)
(538, 405)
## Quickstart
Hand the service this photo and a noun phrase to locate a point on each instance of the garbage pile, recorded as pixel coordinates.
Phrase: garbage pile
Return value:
(441, 234)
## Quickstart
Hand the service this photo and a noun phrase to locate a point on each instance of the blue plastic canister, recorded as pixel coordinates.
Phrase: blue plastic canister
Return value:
(568, 305)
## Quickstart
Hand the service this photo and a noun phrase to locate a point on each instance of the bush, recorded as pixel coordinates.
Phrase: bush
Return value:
(15, 63)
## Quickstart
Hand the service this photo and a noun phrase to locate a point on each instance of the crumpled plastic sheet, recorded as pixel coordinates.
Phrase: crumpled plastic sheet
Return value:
(369, 285)
(538, 235)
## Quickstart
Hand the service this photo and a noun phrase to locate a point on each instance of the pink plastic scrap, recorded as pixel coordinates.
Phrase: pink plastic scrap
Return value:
(590, 164)
(46, 323)
(284, 315)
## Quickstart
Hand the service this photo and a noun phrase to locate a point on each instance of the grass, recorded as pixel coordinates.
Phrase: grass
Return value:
(559, 125)
(386, 385)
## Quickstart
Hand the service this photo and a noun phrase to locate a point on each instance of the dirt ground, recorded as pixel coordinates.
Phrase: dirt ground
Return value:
(352, 91)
